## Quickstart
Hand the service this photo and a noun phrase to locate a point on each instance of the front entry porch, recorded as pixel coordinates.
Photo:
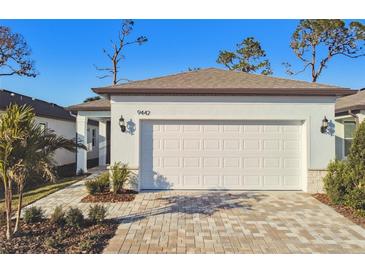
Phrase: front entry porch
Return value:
(96, 141)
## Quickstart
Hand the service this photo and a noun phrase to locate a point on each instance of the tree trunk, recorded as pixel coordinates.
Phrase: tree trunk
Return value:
(8, 200)
(115, 72)
(19, 211)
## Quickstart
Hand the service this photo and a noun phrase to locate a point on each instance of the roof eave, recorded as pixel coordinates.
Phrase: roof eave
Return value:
(86, 108)
(352, 108)
(227, 91)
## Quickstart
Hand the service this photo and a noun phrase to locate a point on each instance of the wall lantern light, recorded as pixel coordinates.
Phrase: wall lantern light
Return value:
(122, 123)
(324, 125)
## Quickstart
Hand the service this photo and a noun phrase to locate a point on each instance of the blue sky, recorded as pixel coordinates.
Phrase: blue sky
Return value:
(66, 50)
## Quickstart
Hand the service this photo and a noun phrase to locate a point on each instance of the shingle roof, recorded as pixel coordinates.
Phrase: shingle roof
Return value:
(217, 81)
(352, 102)
(41, 108)
(101, 104)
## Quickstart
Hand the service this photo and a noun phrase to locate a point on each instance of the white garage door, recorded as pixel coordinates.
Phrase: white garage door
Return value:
(250, 155)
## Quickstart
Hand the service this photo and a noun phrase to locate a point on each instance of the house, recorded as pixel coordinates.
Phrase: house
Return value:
(62, 122)
(217, 129)
(349, 111)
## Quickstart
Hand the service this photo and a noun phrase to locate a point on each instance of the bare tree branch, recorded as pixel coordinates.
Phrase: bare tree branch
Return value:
(116, 57)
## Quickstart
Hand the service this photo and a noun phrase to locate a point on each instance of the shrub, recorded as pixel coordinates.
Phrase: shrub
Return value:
(86, 245)
(55, 240)
(356, 156)
(99, 184)
(338, 180)
(97, 214)
(344, 182)
(120, 175)
(74, 217)
(33, 214)
(51, 242)
(356, 198)
(58, 216)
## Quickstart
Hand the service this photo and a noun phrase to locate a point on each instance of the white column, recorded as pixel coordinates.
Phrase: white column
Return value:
(102, 143)
(81, 130)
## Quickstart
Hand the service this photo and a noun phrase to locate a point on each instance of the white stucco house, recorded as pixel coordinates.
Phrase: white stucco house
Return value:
(62, 122)
(350, 111)
(216, 129)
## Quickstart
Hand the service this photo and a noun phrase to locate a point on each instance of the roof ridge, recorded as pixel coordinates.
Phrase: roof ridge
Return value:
(165, 76)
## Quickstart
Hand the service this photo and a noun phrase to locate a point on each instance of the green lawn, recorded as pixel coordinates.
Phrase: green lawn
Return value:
(40, 191)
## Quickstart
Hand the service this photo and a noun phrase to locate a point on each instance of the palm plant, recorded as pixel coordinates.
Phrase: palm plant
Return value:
(37, 152)
(32, 153)
(12, 132)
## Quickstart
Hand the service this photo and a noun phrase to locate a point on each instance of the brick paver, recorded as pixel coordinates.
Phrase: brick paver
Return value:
(222, 222)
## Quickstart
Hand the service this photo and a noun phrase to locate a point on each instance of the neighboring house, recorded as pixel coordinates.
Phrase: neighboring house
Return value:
(62, 122)
(349, 111)
(217, 129)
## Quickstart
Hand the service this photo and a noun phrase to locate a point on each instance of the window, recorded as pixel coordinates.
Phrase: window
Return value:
(93, 137)
(349, 130)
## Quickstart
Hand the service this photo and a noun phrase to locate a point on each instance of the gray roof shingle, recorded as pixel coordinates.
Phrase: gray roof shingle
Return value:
(352, 102)
(214, 81)
(101, 104)
(41, 108)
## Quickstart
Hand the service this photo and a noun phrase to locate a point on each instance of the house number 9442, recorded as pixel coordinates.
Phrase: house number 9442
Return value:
(143, 112)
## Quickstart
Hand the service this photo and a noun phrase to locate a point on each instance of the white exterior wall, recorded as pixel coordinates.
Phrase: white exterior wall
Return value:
(63, 128)
(67, 129)
(320, 148)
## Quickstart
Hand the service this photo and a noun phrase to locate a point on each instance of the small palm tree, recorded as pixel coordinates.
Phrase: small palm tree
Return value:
(12, 125)
(32, 153)
(37, 154)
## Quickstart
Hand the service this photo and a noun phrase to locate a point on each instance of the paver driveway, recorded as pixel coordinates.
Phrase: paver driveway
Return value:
(222, 222)
(233, 222)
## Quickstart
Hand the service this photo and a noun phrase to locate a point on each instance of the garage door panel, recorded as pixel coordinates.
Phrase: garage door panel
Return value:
(190, 162)
(231, 162)
(211, 181)
(221, 155)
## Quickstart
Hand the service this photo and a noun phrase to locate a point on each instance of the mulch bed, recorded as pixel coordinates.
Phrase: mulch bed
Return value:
(110, 197)
(346, 211)
(45, 237)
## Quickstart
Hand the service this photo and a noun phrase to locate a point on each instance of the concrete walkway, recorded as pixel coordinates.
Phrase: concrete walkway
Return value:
(221, 222)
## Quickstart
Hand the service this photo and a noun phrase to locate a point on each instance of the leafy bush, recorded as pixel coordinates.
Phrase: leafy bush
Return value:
(99, 184)
(356, 198)
(120, 175)
(338, 180)
(74, 217)
(52, 242)
(86, 245)
(356, 156)
(97, 213)
(344, 182)
(58, 216)
(55, 240)
(33, 214)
